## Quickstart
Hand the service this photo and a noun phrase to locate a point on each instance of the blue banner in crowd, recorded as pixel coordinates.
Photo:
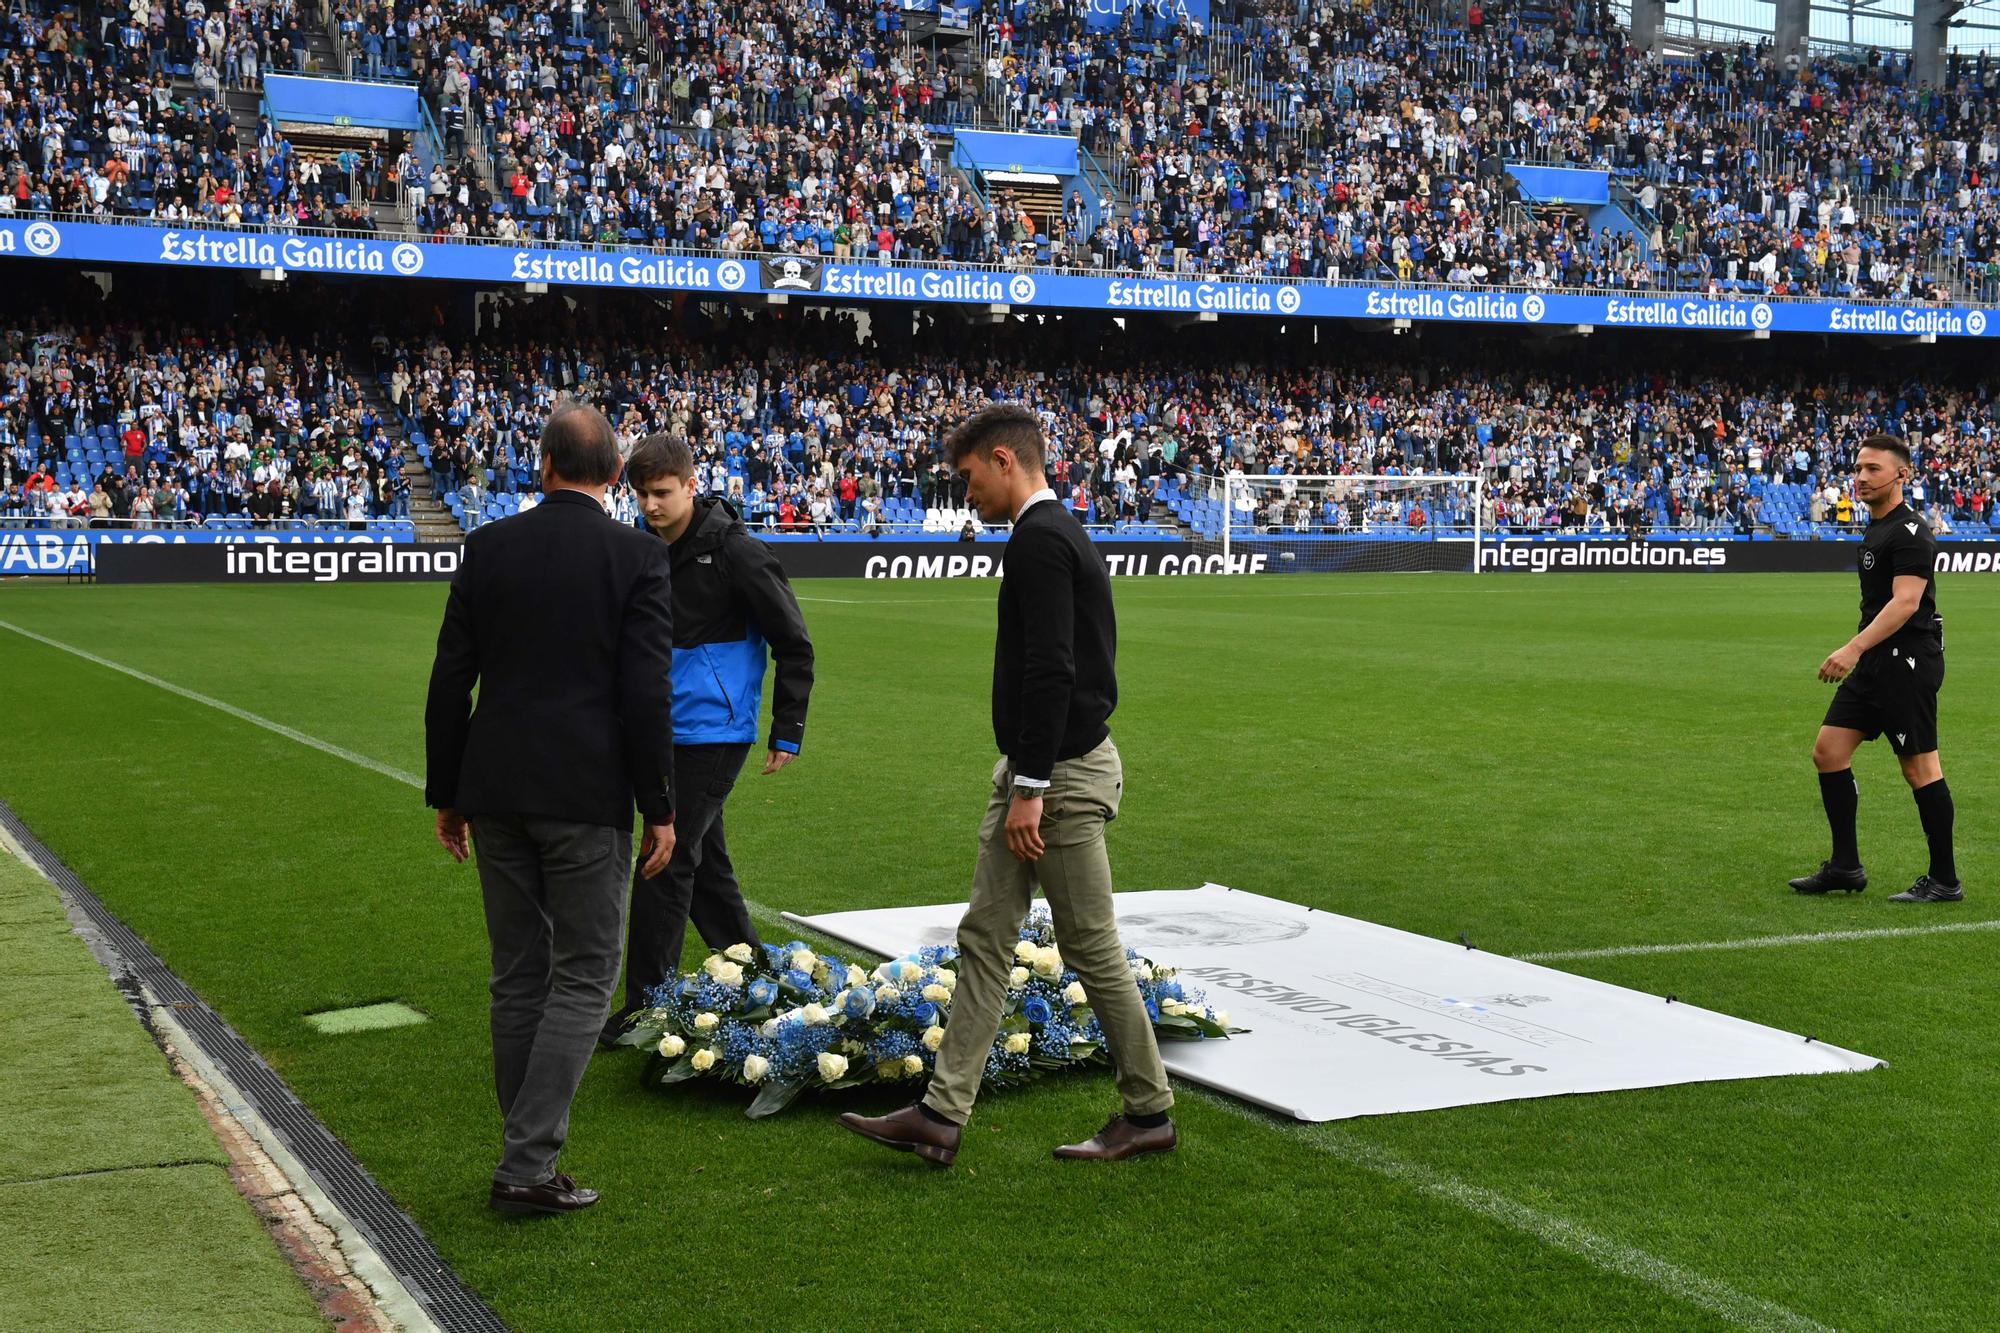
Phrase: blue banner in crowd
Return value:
(709, 275)
(1108, 13)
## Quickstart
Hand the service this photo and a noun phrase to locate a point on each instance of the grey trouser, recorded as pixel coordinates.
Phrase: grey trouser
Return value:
(555, 912)
(1075, 875)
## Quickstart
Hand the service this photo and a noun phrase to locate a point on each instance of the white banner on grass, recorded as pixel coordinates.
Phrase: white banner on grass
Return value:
(1349, 1018)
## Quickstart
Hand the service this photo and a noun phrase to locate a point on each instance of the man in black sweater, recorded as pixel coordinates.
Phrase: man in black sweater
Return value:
(1057, 784)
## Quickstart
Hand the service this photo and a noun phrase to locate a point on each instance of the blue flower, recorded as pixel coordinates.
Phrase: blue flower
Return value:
(1152, 1009)
(1036, 1010)
(797, 979)
(762, 992)
(860, 1002)
(925, 1012)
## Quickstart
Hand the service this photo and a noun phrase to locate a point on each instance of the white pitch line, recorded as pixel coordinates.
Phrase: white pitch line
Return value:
(241, 715)
(758, 910)
(1613, 1256)
(1758, 941)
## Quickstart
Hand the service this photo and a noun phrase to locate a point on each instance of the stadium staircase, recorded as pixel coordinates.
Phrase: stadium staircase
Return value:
(433, 521)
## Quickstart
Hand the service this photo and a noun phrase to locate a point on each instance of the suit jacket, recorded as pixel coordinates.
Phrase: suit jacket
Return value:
(564, 618)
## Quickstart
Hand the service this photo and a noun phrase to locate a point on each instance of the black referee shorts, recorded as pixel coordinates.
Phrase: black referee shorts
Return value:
(1893, 692)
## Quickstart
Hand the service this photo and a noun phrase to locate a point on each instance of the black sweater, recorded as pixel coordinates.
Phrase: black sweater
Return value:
(1054, 662)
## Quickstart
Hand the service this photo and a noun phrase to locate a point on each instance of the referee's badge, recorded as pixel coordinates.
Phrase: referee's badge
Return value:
(1868, 560)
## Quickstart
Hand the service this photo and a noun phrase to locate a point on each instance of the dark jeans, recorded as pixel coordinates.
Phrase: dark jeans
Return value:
(699, 881)
(555, 904)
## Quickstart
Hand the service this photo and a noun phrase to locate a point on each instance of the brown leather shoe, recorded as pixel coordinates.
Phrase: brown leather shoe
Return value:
(908, 1130)
(557, 1194)
(1119, 1139)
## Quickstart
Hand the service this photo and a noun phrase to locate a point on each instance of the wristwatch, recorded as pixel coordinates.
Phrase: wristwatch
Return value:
(1027, 793)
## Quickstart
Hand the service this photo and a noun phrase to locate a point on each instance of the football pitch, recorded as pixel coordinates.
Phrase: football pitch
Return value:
(1573, 767)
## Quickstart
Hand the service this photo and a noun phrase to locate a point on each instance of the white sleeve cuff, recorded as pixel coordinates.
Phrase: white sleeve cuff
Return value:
(1020, 781)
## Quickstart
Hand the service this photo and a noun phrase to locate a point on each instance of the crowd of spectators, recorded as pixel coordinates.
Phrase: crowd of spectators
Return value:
(263, 425)
(821, 422)
(1342, 138)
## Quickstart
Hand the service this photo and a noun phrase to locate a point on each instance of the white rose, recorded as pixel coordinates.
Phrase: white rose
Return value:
(1172, 1007)
(703, 1022)
(671, 1046)
(907, 971)
(1142, 969)
(831, 1066)
(933, 1037)
(738, 953)
(704, 1060)
(855, 976)
(713, 963)
(754, 1068)
(1017, 978)
(813, 1015)
(729, 974)
(1221, 1018)
(805, 960)
(1026, 951)
(913, 1064)
(1073, 993)
(885, 994)
(947, 978)
(937, 994)
(1017, 1043)
(1048, 964)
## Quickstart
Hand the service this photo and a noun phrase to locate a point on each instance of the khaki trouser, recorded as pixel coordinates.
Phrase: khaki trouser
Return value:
(1075, 876)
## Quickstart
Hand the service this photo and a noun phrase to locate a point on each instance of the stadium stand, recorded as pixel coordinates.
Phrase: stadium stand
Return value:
(814, 431)
(1348, 141)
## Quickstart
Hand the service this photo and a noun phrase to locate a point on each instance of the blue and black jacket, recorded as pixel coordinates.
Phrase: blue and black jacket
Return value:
(731, 600)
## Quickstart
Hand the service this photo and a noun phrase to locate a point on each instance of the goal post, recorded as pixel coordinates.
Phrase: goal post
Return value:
(1426, 522)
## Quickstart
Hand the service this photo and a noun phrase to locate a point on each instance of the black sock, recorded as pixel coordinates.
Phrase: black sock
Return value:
(933, 1116)
(1153, 1121)
(1841, 797)
(1935, 809)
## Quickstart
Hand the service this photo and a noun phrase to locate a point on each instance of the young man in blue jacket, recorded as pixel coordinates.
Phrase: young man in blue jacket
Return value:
(731, 601)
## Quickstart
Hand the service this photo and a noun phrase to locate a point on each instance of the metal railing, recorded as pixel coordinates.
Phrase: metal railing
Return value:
(201, 523)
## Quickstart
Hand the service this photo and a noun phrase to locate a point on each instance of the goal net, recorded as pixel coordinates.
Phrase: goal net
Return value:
(1306, 525)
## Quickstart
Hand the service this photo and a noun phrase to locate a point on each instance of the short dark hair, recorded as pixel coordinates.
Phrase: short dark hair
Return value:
(1003, 425)
(579, 445)
(658, 456)
(1888, 444)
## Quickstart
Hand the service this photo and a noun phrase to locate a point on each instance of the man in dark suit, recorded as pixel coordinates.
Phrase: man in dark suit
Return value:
(1058, 782)
(564, 619)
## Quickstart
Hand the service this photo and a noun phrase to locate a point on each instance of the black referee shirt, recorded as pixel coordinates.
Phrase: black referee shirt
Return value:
(1899, 543)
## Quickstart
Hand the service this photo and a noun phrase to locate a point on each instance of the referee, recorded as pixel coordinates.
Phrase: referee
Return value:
(1889, 676)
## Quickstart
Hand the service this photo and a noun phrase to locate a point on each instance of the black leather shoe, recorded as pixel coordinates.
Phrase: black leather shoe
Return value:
(618, 1025)
(1830, 878)
(908, 1130)
(1928, 890)
(557, 1194)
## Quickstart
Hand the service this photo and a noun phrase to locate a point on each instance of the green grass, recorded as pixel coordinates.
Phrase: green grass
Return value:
(1541, 763)
(116, 1208)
